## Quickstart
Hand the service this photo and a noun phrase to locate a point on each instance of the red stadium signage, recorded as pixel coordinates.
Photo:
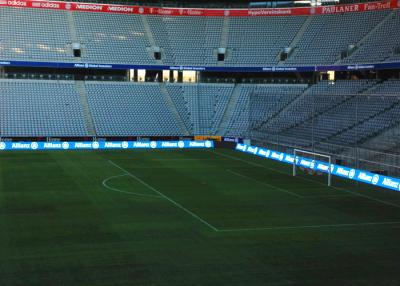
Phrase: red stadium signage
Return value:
(123, 9)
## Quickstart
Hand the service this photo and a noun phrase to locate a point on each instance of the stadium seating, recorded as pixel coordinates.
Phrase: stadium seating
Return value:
(36, 34)
(328, 35)
(104, 39)
(40, 108)
(382, 45)
(258, 41)
(341, 113)
(203, 105)
(187, 40)
(124, 109)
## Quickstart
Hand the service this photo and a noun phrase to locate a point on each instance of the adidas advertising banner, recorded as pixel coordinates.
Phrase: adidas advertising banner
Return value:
(7, 146)
(336, 170)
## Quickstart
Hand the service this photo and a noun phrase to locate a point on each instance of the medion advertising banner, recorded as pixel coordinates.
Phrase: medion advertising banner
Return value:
(324, 167)
(102, 145)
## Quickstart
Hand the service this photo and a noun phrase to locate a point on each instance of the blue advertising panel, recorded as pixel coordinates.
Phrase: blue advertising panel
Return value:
(393, 65)
(324, 167)
(103, 145)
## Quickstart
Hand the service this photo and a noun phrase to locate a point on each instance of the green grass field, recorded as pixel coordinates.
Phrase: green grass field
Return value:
(188, 218)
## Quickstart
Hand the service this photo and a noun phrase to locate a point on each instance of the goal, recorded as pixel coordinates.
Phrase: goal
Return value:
(312, 164)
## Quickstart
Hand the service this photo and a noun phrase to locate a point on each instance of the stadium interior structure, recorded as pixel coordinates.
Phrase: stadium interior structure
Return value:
(322, 78)
(331, 85)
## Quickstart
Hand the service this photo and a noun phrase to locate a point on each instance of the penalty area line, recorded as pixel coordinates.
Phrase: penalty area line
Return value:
(309, 180)
(265, 184)
(192, 214)
(310, 226)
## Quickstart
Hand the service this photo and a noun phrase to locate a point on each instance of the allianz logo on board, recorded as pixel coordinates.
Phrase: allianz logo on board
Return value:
(169, 144)
(116, 145)
(19, 145)
(95, 145)
(153, 144)
(241, 147)
(81, 145)
(305, 163)
(289, 158)
(374, 179)
(2, 146)
(141, 144)
(206, 144)
(253, 150)
(391, 183)
(322, 167)
(343, 172)
(349, 173)
(65, 145)
(264, 153)
(52, 145)
(277, 156)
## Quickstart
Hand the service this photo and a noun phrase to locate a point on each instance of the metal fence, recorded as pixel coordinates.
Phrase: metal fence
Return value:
(358, 130)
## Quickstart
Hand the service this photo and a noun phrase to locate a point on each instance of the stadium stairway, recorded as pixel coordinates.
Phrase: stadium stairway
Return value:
(230, 108)
(150, 37)
(72, 31)
(172, 107)
(224, 39)
(332, 107)
(372, 32)
(284, 110)
(264, 124)
(363, 137)
(81, 89)
(297, 38)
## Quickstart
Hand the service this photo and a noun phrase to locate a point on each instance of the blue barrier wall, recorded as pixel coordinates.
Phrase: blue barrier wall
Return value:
(324, 167)
(10, 146)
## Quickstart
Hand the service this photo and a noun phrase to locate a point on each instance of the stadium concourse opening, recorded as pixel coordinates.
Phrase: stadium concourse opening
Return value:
(208, 145)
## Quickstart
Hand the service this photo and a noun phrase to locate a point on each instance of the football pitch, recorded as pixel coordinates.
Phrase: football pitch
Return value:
(198, 217)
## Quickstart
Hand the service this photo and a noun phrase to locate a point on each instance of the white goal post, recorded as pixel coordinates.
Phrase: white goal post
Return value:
(298, 153)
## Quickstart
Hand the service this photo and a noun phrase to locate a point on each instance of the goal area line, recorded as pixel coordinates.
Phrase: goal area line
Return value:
(244, 229)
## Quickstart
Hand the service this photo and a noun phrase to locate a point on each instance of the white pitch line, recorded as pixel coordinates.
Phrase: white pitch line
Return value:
(265, 184)
(164, 196)
(327, 196)
(305, 179)
(104, 183)
(310, 226)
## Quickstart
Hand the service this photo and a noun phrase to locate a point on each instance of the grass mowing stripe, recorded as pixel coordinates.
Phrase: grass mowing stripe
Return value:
(305, 179)
(265, 184)
(164, 196)
(310, 226)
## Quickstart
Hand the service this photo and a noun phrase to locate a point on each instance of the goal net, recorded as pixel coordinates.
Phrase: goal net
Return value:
(312, 165)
